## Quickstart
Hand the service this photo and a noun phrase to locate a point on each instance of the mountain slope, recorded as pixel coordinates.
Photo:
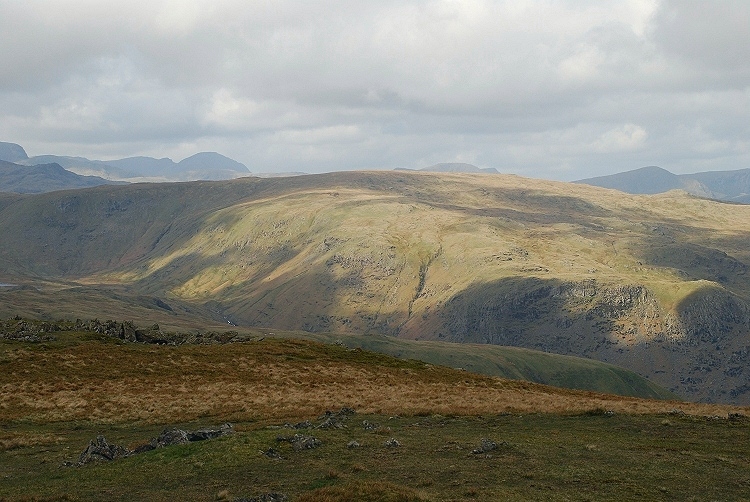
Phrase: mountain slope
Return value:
(43, 178)
(11, 152)
(656, 284)
(731, 186)
(646, 180)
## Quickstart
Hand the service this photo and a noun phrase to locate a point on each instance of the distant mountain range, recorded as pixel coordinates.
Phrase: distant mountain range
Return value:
(201, 166)
(732, 186)
(453, 167)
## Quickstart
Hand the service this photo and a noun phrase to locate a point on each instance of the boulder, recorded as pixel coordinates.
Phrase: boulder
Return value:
(100, 449)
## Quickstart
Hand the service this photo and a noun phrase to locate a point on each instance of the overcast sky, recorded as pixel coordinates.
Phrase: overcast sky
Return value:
(547, 89)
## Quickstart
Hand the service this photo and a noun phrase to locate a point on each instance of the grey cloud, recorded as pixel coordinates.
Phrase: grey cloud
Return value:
(551, 89)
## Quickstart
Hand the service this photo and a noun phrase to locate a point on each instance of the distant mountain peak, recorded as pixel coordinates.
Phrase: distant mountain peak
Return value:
(209, 163)
(720, 185)
(43, 178)
(11, 152)
(645, 180)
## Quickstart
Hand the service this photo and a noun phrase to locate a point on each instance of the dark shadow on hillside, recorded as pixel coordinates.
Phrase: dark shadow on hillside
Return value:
(716, 332)
(696, 261)
(701, 354)
(529, 312)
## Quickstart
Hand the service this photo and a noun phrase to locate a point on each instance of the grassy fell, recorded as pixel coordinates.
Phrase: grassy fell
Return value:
(556, 444)
(89, 376)
(444, 257)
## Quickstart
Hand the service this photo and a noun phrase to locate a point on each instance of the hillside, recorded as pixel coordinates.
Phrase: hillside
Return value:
(86, 416)
(656, 284)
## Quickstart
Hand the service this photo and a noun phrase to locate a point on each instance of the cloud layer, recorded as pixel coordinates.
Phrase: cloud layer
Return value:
(551, 89)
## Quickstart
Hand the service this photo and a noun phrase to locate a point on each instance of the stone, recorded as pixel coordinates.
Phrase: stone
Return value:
(336, 420)
(301, 442)
(170, 437)
(100, 449)
(203, 434)
(369, 426)
(392, 443)
(487, 445)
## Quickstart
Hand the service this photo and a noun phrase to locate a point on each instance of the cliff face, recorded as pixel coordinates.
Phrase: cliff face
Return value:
(699, 349)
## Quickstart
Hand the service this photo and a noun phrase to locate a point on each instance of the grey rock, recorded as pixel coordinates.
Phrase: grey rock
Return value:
(170, 437)
(203, 434)
(487, 445)
(100, 449)
(301, 441)
(369, 426)
(392, 443)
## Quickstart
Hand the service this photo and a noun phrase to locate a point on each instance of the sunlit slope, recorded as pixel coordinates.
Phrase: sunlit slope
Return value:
(657, 284)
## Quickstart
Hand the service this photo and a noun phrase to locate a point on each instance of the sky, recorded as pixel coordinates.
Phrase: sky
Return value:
(561, 90)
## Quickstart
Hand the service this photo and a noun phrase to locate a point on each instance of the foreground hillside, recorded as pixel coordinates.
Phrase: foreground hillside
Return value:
(397, 430)
(657, 284)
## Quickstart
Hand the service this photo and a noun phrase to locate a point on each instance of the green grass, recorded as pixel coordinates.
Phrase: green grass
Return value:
(508, 362)
(539, 456)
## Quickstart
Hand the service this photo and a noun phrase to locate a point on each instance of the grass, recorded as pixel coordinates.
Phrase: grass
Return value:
(540, 456)
(85, 376)
(553, 444)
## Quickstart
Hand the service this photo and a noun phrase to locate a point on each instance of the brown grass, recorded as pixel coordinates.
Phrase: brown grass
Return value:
(270, 379)
(371, 491)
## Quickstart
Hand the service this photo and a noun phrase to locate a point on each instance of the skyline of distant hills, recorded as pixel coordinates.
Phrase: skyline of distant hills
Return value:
(730, 186)
(453, 167)
(201, 166)
(44, 178)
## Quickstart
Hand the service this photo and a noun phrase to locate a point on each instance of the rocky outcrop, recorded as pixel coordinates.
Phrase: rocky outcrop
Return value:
(100, 449)
(265, 497)
(301, 442)
(700, 349)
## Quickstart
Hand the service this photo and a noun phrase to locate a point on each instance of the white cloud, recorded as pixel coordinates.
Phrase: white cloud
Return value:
(557, 89)
(623, 138)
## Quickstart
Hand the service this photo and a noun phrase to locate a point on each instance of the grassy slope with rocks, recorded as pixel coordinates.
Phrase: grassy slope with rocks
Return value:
(459, 436)
(657, 284)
